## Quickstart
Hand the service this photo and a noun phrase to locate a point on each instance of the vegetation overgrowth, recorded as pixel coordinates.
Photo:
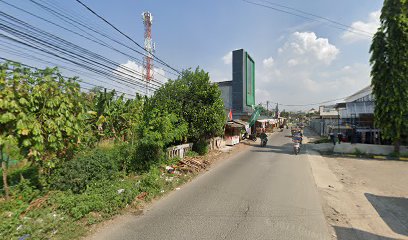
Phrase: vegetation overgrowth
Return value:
(72, 158)
(389, 54)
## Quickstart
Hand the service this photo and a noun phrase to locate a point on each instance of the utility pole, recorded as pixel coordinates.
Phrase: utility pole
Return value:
(150, 48)
(267, 108)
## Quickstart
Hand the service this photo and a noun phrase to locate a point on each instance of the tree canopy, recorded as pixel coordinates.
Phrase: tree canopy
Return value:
(389, 61)
(195, 101)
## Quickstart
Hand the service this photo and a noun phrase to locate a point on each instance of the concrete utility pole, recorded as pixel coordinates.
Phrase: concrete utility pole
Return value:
(267, 108)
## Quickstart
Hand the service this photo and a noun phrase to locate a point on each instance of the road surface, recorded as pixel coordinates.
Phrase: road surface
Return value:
(262, 193)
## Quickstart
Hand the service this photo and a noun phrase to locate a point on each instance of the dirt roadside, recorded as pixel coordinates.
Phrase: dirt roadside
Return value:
(363, 199)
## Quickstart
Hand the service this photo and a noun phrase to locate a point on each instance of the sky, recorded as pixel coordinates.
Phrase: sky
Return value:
(298, 60)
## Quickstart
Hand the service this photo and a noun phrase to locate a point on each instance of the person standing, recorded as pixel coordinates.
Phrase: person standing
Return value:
(331, 135)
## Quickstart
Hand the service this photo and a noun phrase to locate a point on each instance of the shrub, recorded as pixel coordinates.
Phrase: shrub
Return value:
(25, 191)
(404, 154)
(357, 152)
(201, 147)
(394, 155)
(126, 157)
(151, 182)
(86, 167)
(106, 197)
(191, 154)
(149, 152)
(27, 172)
(322, 140)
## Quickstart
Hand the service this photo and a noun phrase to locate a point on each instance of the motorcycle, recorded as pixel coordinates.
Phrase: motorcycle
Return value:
(296, 147)
(250, 137)
(264, 141)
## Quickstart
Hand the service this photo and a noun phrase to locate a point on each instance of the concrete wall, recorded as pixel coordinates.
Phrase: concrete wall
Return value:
(366, 148)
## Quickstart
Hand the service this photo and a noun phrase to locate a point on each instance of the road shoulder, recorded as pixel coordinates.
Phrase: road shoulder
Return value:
(362, 198)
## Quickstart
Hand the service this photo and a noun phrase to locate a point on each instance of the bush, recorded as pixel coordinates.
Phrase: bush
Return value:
(27, 172)
(394, 155)
(149, 152)
(86, 167)
(201, 147)
(151, 182)
(404, 154)
(24, 191)
(106, 197)
(126, 157)
(323, 140)
(191, 154)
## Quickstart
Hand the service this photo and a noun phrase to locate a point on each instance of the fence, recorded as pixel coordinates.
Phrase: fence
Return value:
(215, 143)
(181, 150)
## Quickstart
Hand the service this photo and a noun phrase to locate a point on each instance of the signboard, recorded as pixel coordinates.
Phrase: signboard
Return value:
(250, 80)
(254, 116)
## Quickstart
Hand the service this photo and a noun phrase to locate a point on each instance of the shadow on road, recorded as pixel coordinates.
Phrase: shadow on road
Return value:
(393, 210)
(344, 233)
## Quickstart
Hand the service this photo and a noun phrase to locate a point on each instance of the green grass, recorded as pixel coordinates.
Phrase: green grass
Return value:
(66, 215)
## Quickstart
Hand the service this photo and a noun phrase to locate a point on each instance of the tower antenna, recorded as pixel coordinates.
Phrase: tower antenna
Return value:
(150, 48)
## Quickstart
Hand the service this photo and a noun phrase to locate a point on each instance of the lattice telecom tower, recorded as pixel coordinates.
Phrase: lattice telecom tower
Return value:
(150, 48)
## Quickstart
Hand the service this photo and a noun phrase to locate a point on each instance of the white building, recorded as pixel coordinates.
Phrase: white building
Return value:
(359, 105)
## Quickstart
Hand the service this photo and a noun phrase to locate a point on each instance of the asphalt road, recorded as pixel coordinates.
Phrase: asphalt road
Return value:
(263, 193)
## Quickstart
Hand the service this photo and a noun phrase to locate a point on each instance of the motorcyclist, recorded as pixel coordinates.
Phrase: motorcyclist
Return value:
(298, 137)
(263, 136)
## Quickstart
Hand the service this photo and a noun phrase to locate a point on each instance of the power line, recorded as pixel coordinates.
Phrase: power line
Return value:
(312, 104)
(110, 24)
(338, 26)
(100, 42)
(317, 16)
(79, 81)
(78, 24)
(31, 36)
(28, 56)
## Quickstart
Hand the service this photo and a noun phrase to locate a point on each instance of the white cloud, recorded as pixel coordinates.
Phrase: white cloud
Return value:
(319, 47)
(305, 70)
(292, 62)
(268, 62)
(227, 58)
(368, 27)
(136, 70)
(307, 48)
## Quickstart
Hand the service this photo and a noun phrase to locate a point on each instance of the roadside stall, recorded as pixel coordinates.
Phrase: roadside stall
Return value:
(233, 132)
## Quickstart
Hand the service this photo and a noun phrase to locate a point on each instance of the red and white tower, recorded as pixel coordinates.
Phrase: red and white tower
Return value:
(150, 48)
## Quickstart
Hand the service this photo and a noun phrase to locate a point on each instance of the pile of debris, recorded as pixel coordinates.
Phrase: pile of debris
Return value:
(193, 165)
(188, 165)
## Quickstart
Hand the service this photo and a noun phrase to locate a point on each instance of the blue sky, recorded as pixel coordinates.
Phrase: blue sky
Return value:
(298, 61)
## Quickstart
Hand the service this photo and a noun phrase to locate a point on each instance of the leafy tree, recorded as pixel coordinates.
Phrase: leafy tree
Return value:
(112, 116)
(389, 61)
(157, 131)
(195, 101)
(17, 126)
(40, 111)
